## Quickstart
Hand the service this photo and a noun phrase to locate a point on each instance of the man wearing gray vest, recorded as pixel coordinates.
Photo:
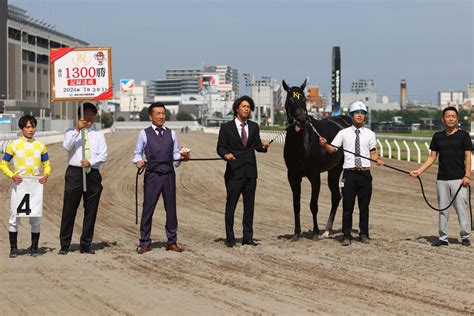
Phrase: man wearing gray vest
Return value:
(160, 146)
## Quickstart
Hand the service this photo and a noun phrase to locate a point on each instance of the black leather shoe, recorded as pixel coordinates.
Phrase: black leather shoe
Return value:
(250, 242)
(440, 242)
(64, 251)
(34, 251)
(13, 252)
(87, 250)
(230, 244)
(346, 241)
(364, 239)
(465, 242)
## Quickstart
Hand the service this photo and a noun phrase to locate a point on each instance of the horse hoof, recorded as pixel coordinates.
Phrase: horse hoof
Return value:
(295, 237)
(325, 234)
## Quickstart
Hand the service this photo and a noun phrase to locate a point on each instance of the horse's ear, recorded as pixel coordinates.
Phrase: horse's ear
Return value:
(285, 86)
(303, 85)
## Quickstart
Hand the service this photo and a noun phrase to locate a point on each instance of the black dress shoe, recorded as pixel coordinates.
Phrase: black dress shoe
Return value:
(439, 243)
(346, 242)
(88, 250)
(250, 242)
(64, 251)
(230, 244)
(364, 239)
(13, 252)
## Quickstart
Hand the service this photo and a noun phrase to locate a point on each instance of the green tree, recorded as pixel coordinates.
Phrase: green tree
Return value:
(181, 116)
(143, 115)
(279, 118)
(107, 120)
(120, 119)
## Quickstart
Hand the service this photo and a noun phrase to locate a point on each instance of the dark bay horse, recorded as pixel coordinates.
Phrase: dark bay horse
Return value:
(304, 157)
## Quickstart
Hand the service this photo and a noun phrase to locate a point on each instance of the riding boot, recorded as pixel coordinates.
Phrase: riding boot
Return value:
(13, 244)
(34, 244)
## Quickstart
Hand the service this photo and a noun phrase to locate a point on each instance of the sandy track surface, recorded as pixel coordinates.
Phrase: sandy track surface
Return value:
(398, 273)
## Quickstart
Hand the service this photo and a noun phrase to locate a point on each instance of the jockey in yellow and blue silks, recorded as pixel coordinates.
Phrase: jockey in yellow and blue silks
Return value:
(27, 155)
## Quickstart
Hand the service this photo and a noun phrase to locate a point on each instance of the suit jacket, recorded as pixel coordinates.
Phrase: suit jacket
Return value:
(245, 164)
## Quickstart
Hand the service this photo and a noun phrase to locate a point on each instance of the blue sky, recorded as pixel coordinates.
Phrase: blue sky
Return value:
(429, 43)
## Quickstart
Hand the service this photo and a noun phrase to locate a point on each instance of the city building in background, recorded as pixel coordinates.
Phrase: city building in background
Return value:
(313, 99)
(206, 92)
(470, 90)
(132, 99)
(25, 44)
(450, 98)
(266, 93)
(228, 80)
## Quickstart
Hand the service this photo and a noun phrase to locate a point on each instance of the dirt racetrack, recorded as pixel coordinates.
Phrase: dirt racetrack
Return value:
(398, 273)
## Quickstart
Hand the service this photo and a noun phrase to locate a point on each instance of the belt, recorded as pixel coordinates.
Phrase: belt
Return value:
(358, 169)
(76, 167)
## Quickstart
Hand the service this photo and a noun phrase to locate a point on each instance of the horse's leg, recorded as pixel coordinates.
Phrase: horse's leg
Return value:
(295, 184)
(333, 183)
(315, 187)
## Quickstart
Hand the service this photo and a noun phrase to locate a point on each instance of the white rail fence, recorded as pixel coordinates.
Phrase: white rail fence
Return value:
(414, 149)
(46, 138)
(391, 147)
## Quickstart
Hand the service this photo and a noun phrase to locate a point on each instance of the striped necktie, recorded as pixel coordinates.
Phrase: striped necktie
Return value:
(358, 161)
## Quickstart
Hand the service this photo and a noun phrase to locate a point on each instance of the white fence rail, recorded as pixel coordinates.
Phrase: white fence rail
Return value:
(388, 146)
(46, 138)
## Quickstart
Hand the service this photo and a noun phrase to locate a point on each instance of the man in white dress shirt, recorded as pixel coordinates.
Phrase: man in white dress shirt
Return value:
(95, 156)
(357, 178)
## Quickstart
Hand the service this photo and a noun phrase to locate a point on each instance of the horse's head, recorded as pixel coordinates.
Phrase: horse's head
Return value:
(295, 106)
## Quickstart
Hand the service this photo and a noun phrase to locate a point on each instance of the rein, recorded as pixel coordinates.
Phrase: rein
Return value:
(406, 172)
(142, 169)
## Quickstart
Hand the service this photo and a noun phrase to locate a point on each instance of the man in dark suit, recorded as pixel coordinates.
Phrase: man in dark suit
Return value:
(238, 140)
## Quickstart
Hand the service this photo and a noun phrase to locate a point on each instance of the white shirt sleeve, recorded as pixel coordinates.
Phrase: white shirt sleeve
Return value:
(100, 151)
(70, 139)
(372, 142)
(337, 141)
(176, 154)
(140, 147)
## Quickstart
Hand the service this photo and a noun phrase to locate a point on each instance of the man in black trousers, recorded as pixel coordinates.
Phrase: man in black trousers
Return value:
(95, 155)
(238, 140)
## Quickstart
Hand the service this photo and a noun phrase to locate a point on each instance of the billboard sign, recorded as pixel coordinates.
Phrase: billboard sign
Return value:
(126, 86)
(209, 83)
(81, 73)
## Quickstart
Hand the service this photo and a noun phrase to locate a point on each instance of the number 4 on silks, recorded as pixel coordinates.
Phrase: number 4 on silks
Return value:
(26, 203)
(28, 200)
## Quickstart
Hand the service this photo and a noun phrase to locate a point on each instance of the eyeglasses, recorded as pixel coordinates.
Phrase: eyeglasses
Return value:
(359, 112)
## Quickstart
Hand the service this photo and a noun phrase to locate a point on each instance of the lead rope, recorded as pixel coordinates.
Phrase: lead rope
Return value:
(406, 172)
(142, 169)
